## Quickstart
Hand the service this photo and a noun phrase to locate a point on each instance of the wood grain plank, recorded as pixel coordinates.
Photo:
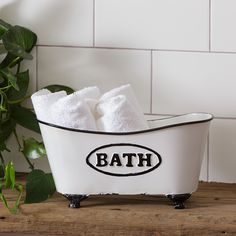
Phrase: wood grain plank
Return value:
(210, 211)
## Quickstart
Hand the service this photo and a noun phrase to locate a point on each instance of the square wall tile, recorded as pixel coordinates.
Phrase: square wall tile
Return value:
(222, 160)
(56, 22)
(157, 24)
(194, 82)
(223, 30)
(83, 67)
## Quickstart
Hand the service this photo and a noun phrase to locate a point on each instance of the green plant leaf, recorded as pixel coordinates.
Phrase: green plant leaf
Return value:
(2, 173)
(56, 88)
(33, 149)
(39, 186)
(2, 50)
(25, 117)
(7, 73)
(3, 146)
(14, 209)
(2, 80)
(4, 200)
(10, 179)
(17, 50)
(51, 183)
(4, 26)
(6, 129)
(9, 59)
(19, 41)
(19, 188)
(23, 83)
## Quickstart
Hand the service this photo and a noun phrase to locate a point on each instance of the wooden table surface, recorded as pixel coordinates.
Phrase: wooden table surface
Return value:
(210, 211)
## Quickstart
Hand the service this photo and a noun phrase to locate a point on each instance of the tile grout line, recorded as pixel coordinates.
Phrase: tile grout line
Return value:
(93, 23)
(208, 156)
(224, 118)
(36, 68)
(215, 117)
(151, 82)
(126, 48)
(136, 49)
(210, 5)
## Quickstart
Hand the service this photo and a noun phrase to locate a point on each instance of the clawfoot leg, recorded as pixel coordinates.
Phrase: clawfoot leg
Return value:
(179, 199)
(75, 199)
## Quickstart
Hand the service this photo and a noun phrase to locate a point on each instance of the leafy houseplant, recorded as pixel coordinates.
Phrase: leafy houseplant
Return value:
(16, 43)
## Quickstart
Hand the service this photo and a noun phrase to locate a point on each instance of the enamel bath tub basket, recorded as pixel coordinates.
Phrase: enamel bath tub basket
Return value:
(165, 159)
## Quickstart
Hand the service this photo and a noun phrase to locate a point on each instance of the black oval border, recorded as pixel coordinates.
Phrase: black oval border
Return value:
(124, 144)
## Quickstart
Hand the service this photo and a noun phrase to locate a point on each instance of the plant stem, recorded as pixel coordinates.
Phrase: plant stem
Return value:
(3, 94)
(18, 68)
(19, 100)
(6, 87)
(3, 97)
(17, 139)
(1, 156)
(2, 160)
(13, 62)
(31, 166)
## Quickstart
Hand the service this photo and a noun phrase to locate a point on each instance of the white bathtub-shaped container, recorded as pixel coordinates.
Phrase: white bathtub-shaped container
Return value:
(165, 159)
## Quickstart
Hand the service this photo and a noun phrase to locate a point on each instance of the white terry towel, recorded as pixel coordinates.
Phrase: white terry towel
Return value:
(127, 91)
(119, 116)
(42, 101)
(91, 96)
(89, 93)
(73, 112)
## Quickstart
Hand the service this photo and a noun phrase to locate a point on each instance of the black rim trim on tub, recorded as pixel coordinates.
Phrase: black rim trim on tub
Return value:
(134, 132)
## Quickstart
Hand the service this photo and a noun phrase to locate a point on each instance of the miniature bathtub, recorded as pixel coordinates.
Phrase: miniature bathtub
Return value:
(165, 159)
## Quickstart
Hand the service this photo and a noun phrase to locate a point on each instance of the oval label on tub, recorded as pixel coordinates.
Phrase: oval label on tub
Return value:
(123, 159)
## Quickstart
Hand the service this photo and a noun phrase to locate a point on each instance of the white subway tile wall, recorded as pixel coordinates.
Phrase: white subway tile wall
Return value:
(56, 22)
(222, 150)
(159, 24)
(81, 67)
(179, 56)
(223, 31)
(187, 82)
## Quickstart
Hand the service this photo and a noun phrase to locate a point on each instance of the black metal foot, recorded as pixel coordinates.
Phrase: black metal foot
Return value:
(179, 199)
(75, 199)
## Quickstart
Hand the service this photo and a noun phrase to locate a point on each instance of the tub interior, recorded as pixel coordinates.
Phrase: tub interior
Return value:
(181, 119)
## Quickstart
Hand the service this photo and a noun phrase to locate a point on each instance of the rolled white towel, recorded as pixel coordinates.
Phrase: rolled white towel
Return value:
(91, 96)
(73, 112)
(127, 91)
(92, 103)
(89, 92)
(119, 115)
(42, 101)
